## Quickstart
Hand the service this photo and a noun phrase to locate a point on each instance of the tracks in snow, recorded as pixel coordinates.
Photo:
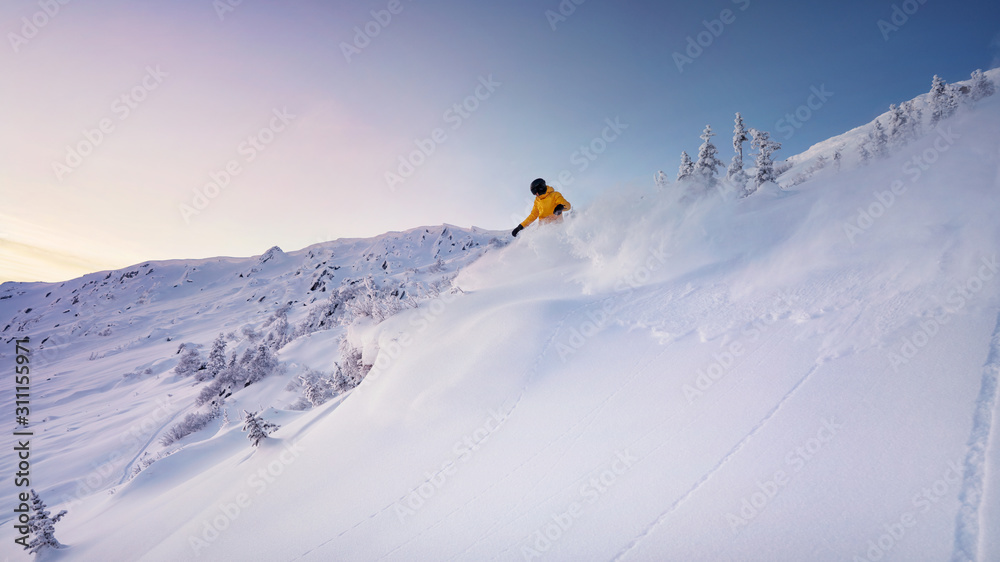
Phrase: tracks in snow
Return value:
(974, 477)
(128, 467)
(722, 462)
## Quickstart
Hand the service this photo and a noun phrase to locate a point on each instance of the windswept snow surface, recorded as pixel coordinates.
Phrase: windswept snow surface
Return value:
(807, 374)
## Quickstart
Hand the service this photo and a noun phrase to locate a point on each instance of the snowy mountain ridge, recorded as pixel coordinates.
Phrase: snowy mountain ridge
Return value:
(847, 143)
(312, 269)
(126, 324)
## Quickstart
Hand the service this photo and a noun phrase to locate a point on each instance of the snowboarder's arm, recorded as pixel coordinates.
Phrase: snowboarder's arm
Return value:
(531, 218)
(562, 201)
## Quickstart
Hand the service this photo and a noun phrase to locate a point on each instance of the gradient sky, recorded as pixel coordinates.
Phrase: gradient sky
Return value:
(204, 83)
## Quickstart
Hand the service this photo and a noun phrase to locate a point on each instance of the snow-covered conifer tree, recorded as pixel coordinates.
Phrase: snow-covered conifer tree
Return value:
(739, 137)
(661, 180)
(913, 126)
(216, 360)
(261, 365)
(879, 141)
(735, 172)
(234, 373)
(279, 334)
(238, 372)
(256, 427)
(317, 388)
(942, 101)
(897, 126)
(864, 152)
(41, 526)
(838, 158)
(708, 159)
(190, 361)
(686, 169)
(982, 86)
(351, 369)
(765, 163)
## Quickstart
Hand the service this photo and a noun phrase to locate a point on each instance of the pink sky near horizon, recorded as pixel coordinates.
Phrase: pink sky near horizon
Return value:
(191, 107)
(202, 86)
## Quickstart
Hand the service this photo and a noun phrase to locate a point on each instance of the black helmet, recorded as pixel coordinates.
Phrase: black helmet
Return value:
(538, 187)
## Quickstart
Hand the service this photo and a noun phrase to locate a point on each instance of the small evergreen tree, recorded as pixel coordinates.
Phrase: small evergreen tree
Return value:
(242, 372)
(942, 101)
(190, 361)
(982, 86)
(317, 388)
(261, 365)
(216, 360)
(686, 169)
(739, 137)
(765, 163)
(838, 158)
(914, 121)
(864, 153)
(879, 141)
(341, 383)
(41, 526)
(708, 160)
(234, 373)
(735, 172)
(661, 180)
(896, 128)
(937, 93)
(256, 428)
(352, 369)
(279, 334)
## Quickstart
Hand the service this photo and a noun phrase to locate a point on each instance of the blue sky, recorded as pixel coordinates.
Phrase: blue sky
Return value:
(309, 134)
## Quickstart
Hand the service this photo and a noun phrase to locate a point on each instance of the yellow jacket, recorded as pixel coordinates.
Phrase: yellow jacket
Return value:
(545, 205)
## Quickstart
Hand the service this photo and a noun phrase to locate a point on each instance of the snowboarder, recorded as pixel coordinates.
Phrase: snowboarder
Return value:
(549, 205)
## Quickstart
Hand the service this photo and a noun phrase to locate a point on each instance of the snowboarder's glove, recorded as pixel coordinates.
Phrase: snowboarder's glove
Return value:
(559, 209)
(517, 229)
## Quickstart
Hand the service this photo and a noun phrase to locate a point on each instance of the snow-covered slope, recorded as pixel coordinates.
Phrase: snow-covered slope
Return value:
(806, 374)
(103, 347)
(805, 164)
